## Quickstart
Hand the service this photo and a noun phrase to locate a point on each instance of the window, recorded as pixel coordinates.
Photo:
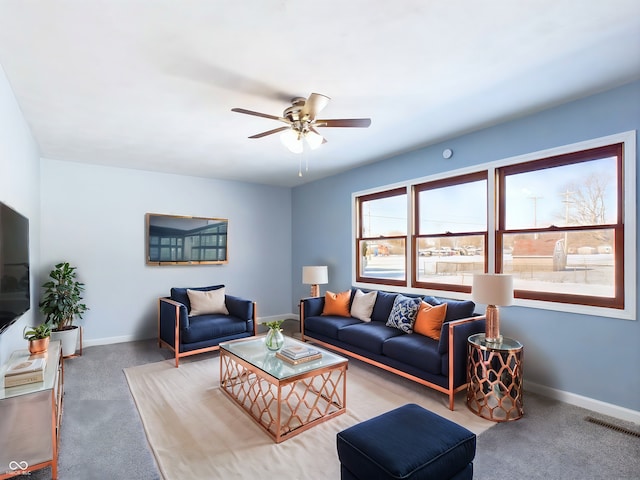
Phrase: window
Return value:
(560, 227)
(382, 237)
(561, 221)
(451, 231)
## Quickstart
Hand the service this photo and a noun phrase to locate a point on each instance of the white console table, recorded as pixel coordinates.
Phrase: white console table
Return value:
(30, 418)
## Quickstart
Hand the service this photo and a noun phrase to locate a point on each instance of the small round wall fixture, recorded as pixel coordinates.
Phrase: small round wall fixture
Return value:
(447, 153)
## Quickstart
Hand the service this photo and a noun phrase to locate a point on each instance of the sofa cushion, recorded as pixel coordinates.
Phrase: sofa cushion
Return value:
(383, 306)
(206, 327)
(362, 305)
(209, 302)
(337, 303)
(368, 336)
(180, 294)
(327, 325)
(456, 309)
(416, 350)
(429, 320)
(403, 313)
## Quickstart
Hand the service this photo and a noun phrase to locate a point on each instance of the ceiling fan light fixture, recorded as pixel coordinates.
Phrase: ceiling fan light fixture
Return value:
(313, 139)
(291, 139)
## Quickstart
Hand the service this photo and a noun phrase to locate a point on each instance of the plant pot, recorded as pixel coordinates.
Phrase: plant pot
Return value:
(38, 346)
(68, 338)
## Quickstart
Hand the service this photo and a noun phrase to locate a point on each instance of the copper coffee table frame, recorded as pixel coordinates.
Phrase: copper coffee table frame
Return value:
(283, 399)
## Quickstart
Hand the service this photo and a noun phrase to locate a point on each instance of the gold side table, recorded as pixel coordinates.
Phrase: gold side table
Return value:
(494, 375)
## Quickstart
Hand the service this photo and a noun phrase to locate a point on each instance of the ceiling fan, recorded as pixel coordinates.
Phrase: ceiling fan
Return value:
(302, 122)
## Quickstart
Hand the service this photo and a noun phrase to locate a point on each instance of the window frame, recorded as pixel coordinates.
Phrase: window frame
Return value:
(416, 235)
(611, 150)
(359, 201)
(628, 213)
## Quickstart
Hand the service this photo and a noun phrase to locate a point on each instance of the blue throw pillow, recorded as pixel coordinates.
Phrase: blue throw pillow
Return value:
(403, 314)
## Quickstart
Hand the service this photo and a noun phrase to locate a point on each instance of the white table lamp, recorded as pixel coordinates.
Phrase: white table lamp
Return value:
(315, 276)
(493, 289)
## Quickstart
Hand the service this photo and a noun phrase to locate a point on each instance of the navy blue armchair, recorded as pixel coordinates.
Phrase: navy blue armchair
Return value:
(188, 334)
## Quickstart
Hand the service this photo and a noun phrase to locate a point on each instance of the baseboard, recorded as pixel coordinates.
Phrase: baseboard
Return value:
(604, 408)
(111, 340)
(284, 316)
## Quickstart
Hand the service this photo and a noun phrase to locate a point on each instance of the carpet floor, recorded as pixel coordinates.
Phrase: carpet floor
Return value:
(102, 435)
(196, 431)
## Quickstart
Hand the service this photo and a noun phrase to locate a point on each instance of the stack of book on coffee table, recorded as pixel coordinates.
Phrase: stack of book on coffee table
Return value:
(296, 354)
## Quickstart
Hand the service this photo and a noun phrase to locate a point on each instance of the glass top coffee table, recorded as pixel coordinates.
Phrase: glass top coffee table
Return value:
(284, 399)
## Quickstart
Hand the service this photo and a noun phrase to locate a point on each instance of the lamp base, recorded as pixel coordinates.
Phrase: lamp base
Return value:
(492, 332)
(315, 290)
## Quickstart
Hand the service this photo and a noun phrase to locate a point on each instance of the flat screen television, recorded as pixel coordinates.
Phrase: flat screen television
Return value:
(15, 298)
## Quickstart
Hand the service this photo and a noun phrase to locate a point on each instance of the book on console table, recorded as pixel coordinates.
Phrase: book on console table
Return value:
(296, 352)
(298, 361)
(25, 371)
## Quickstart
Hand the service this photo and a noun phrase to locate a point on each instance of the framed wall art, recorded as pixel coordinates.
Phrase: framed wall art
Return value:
(183, 240)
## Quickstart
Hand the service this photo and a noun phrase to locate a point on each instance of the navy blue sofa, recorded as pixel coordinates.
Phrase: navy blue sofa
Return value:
(441, 365)
(187, 335)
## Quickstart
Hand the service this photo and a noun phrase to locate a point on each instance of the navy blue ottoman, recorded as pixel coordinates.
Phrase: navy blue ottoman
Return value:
(409, 442)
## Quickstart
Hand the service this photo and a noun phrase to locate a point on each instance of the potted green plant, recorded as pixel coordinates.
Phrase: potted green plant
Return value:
(38, 338)
(62, 304)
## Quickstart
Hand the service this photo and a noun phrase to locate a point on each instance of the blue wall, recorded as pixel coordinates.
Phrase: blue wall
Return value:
(584, 355)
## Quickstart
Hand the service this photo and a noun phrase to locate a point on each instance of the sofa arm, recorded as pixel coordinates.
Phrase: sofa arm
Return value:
(172, 317)
(243, 309)
(239, 307)
(458, 332)
(311, 306)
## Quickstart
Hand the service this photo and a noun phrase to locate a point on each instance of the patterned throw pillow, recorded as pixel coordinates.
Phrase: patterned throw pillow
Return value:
(429, 320)
(403, 313)
(337, 304)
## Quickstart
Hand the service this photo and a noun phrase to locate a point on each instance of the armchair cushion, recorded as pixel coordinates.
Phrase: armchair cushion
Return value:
(207, 327)
(208, 302)
(180, 294)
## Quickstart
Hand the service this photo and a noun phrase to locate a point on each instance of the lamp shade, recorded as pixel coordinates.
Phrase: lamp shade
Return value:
(492, 289)
(315, 275)
(313, 139)
(291, 139)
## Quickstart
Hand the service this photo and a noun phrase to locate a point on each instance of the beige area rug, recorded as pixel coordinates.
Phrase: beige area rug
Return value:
(196, 431)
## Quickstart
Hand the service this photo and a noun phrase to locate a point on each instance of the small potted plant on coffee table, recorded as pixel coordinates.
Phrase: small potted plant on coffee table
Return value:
(274, 339)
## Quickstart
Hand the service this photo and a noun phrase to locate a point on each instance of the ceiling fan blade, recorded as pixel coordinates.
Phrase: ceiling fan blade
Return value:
(314, 105)
(258, 114)
(344, 122)
(270, 132)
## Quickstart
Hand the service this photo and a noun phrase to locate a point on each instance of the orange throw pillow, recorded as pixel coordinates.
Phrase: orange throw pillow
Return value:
(429, 320)
(337, 304)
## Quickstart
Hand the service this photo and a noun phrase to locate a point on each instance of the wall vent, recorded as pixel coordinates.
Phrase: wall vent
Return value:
(611, 426)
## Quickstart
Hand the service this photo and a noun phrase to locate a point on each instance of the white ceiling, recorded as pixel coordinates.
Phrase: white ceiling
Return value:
(149, 84)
